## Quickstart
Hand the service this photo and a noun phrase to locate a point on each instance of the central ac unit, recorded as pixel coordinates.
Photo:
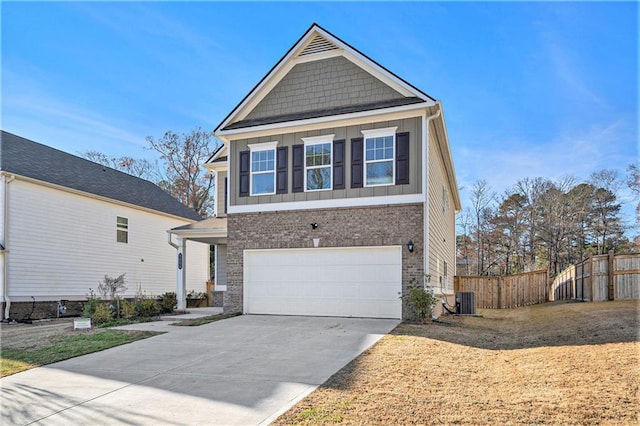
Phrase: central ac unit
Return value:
(465, 303)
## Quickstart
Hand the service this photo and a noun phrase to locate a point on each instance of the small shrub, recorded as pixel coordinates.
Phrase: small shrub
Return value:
(168, 301)
(192, 294)
(103, 313)
(127, 309)
(146, 308)
(422, 300)
(89, 307)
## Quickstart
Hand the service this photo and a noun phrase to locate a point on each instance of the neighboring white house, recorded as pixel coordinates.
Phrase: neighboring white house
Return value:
(66, 222)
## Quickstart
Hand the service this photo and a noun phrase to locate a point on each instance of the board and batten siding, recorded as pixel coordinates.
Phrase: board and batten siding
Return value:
(62, 244)
(441, 220)
(412, 125)
(221, 196)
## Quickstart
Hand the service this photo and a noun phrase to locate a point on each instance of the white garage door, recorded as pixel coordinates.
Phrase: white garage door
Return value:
(349, 282)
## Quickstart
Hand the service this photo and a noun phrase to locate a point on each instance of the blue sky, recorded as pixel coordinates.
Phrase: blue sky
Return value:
(528, 89)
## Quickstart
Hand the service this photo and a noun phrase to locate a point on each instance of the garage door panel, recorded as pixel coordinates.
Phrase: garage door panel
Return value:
(359, 282)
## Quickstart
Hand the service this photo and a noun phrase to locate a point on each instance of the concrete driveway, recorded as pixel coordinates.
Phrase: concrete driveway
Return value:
(241, 371)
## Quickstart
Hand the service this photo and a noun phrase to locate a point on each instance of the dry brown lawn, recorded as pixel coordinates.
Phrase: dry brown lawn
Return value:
(557, 363)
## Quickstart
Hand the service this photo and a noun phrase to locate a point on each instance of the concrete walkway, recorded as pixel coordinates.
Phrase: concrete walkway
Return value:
(241, 371)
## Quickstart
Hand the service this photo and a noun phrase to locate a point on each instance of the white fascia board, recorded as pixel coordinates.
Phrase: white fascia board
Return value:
(451, 170)
(222, 152)
(268, 82)
(216, 167)
(202, 232)
(328, 204)
(361, 117)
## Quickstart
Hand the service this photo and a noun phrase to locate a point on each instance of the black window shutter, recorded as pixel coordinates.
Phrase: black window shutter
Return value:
(357, 154)
(244, 174)
(282, 154)
(297, 152)
(338, 164)
(402, 158)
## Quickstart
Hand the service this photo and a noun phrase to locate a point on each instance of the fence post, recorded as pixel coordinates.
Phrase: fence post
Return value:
(547, 285)
(611, 277)
(591, 277)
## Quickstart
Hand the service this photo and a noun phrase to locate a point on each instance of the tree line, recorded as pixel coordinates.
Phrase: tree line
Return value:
(178, 169)
(540, 223)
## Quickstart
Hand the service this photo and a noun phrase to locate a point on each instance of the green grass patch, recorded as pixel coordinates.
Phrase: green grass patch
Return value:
(205, 320)
(316, 415)
(13, 361)
(122, 321)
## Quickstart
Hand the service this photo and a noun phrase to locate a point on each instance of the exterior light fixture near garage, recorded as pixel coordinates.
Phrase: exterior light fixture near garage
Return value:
(410, 246)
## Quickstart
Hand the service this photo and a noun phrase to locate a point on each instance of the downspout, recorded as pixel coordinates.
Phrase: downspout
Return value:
(427, 121)
(5, 217)
(171, 243)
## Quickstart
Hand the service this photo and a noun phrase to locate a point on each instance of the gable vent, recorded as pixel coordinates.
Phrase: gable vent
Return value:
(318, 44)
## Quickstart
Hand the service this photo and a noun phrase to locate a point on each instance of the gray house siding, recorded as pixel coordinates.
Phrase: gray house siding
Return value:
(326, 84)
(411, 125)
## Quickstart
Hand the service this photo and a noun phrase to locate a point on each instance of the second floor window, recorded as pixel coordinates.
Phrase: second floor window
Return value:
(122, 230)
(379, 156)
(263, 175)
(318, 164)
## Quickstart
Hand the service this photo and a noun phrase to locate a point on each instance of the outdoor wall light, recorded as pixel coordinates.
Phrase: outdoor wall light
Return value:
(410, 246)
(314, 225)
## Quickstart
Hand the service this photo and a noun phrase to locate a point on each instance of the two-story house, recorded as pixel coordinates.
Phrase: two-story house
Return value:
(336, 187)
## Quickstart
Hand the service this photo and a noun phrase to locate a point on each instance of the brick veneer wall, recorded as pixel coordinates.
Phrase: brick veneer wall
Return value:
(344, 227)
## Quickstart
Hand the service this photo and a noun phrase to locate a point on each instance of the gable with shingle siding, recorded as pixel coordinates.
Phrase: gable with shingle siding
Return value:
(324, 84)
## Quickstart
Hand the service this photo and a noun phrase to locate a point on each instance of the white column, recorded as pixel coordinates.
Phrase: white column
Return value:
(181, 292)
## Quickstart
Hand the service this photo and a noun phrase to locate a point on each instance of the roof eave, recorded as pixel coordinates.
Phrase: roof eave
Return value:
(325, 119)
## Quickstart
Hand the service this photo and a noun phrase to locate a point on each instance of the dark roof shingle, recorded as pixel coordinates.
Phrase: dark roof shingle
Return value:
(34, 160)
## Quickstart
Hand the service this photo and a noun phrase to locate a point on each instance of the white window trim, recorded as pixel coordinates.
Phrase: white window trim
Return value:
(317, 140)
(267, 146)
(373, 133)
(122, 227)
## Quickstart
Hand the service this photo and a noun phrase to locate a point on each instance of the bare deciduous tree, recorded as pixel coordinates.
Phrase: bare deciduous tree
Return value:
(184, 175)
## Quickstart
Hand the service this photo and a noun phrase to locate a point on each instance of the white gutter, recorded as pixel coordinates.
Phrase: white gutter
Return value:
(5, 217)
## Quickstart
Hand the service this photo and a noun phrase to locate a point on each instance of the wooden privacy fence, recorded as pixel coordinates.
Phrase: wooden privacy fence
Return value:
(506, 292)
(598, 278)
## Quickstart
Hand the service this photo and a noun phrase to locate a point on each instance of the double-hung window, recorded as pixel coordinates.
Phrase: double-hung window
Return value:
(122, 229)
(263, 168)
(317, 163)
(379, 156)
